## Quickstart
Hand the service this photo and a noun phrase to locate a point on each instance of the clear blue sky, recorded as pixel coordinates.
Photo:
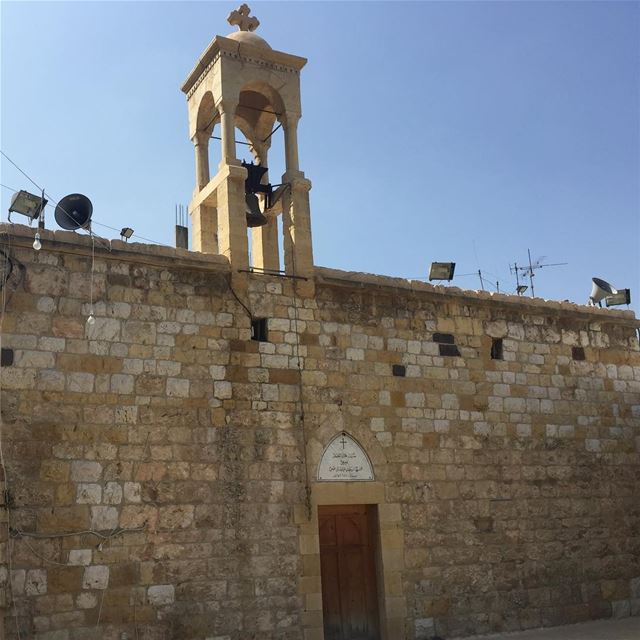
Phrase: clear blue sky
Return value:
(462, 131)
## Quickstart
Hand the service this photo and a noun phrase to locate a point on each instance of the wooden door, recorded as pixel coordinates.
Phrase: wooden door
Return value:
(347, 564)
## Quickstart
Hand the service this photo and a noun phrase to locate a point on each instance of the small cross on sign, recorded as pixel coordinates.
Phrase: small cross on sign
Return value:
(240, 18)
(343, 441)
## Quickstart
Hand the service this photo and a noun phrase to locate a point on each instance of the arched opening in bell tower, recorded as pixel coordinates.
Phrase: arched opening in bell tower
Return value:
(260, 142)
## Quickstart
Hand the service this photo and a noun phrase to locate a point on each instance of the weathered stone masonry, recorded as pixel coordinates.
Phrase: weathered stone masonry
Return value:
(507, 489)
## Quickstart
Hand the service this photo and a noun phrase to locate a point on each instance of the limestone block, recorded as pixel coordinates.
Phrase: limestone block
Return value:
(54, 471)
(19, 341)
(89, 493)
(178, 388)
(86, 600)
(134, 331)
(107, 329)
(161, 595)
(35, 582)
(80, 382)
(523, 430)
(85, 471)
(103, 518)
(14, 379)
(176, 516)
(95, 577)
(126, 415)
(621, 609)
(80, 557)
(222, 390)
(112, 493)
(122, 383)
(52, 344)
(424, 628)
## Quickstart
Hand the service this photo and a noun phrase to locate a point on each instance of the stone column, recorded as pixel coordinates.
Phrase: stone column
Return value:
(227, 110)
(201, 144)
(264, 244)
(232, 223)
(290, 126)
(204, 226)
(296, 222)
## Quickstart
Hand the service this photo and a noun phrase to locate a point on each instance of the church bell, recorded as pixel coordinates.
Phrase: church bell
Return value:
(255, 217)
(252, 186)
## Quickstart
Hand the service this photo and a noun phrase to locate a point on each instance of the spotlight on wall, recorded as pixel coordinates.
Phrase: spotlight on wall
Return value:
(622, 296)
(442, 270)
(27, 204)
(521, 288)
(126, 233)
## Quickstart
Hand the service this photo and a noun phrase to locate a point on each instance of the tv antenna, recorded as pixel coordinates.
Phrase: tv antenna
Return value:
(530, 272)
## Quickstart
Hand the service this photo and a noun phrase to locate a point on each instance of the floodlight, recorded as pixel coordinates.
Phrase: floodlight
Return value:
(622, 296)
(126, 233)
(442, 270)
(27, 204)
(521, 288)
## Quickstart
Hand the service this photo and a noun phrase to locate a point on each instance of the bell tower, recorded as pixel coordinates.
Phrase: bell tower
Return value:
(241, 82)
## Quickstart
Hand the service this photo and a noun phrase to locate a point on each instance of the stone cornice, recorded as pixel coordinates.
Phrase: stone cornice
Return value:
(64, 242)
(368, 281)
(16, 235)
(225, 47)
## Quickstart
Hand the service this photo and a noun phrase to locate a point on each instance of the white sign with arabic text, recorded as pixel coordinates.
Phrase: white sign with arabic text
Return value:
(344, 460)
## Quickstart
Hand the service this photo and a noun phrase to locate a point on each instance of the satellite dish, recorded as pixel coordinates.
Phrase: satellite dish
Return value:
(74, 212)
(600, 289)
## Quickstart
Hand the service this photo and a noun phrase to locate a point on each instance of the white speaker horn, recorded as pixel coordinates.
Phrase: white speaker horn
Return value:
(600, 289)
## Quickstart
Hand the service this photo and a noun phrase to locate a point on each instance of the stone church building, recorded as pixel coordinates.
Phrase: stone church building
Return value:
(237, 449)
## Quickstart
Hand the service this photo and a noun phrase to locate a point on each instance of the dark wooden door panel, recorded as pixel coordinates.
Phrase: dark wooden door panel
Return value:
(347, 564)
(331, 596)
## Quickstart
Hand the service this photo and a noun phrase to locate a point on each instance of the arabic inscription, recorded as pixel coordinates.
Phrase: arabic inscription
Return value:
(344, 460)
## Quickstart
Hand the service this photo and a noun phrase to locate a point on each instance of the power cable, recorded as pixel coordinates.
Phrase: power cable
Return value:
(6, 497)
(21, 171)
(55, 202)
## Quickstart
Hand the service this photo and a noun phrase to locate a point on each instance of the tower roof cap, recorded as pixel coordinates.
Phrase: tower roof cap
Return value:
(248, 37)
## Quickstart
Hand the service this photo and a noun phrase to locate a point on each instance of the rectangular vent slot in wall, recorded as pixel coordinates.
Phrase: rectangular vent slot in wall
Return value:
(496, 349)
(259, 330)
(577, 353)
(449, 350)
(446, 344)
(6, 357)
(399, 370)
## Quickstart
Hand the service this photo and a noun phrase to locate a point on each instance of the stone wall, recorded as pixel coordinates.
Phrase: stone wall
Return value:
(161, 465)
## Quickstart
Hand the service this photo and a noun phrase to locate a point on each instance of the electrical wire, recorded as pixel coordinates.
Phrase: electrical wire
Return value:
(57, 203)
(5, 477)
(21, 171)
(235, 295)
(106, 226)
(93, 267)
(307, 487)
(19, 533)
